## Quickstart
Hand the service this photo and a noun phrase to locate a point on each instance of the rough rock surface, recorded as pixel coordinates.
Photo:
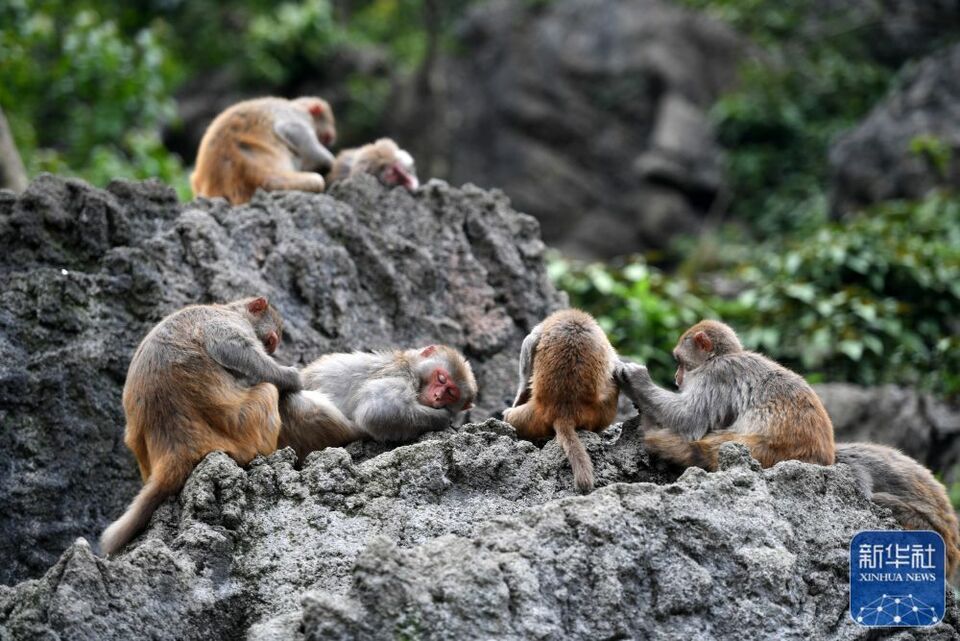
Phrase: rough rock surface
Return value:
(874, 161)
(590, 114)
(471, 534)
(86, 273)
(923, 426)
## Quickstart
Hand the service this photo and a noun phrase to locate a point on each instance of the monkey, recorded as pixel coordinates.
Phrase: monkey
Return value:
(201, 380)
(385, 395)
(384, 159)
(917, 500)
(268, 143)
(729, 394)
(566, 382)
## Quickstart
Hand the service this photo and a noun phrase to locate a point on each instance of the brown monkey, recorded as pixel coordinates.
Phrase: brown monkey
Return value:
(268, 143)
(387, 396)
(201, 380)
(566, 382)
(728, 394)
(917, 500)
(384, 159)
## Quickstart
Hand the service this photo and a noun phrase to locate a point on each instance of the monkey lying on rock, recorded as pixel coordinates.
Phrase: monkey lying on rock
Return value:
(266, 143)
(383, 159)
(187, 394)
(386, 396)
(566, 382)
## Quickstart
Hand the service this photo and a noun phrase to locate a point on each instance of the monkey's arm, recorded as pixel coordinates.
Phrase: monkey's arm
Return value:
(303, 140)
(389, 411)
(691, 413)
(240, 354)
(527, 350)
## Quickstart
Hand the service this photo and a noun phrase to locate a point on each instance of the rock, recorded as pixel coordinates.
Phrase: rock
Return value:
(590, 114)
(471, 534)
(922, 426)
(874, 161)
(87, 272)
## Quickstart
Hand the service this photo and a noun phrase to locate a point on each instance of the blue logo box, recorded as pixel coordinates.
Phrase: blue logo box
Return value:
(897, 578)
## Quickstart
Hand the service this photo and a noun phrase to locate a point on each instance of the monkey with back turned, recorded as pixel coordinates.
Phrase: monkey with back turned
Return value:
(566, 382)
(202, 380)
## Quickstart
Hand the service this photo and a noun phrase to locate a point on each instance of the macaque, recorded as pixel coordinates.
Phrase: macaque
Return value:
(384, 159)
(202, 380)
(268, 143)
(566, 382)
(917, 500)
(728, 394)
(386, 396)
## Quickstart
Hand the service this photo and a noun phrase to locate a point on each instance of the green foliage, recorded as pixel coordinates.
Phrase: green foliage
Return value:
(805, 88)
(935, 150)
(873, 301)
(296, 35)
(78, 92)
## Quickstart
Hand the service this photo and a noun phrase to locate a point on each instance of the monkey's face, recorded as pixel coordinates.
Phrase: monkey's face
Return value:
(323, 123)
(400, 172)
(266, 322)
(446, 381)
(691, 352)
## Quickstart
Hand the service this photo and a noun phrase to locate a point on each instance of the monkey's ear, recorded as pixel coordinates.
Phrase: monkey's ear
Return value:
(429, 350)
(703, 341)
(257, 305)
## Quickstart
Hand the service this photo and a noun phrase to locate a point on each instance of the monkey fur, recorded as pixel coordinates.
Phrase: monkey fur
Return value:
(268, 143)
(566, 382)
(386, 396)
(917, 500)
(384, 159)
(728, 394)
(202, 380)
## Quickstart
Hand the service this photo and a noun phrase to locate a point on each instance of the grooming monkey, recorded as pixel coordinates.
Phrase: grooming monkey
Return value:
(566, 382)
(917, 500)
(268, 143)
(386, 396)
(202, 380)
(384, 159)
(728, 394)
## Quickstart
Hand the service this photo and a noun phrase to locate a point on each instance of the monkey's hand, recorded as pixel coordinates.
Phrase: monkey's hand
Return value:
(290, 380)
(632, 377)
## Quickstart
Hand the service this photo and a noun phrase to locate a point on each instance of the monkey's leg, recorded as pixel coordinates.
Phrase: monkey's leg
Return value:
(312, 422)
(527, 350)
(701, 453)
(135, 441)
(294, 181)
(529, 421)
(258, 420)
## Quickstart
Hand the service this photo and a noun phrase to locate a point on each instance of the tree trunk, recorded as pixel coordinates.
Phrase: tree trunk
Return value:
(12, 174)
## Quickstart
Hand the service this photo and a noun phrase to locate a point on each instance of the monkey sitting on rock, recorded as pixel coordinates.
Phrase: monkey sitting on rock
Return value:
(729, 394)
(202, 380)
(383, 159)
(266, 143)
(386, 396)
(566, 382)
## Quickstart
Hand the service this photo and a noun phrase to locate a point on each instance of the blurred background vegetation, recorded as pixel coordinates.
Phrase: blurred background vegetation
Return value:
(89, 87)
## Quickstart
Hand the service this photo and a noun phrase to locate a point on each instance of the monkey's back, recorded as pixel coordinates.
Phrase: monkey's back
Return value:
(779, 404)
(171, 386)
(237, 146)
(573, 370)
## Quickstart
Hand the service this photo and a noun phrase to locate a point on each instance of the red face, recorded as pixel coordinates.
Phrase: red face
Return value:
(270, 342)
(440, 390)
(397, 174)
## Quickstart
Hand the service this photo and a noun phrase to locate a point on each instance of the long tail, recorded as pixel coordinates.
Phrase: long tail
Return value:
(164, 481)
(700, 453)
(566, 431)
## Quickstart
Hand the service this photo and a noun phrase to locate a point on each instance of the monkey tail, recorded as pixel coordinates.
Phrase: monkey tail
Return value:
(566, 431)
(165, 481)
(702, 453)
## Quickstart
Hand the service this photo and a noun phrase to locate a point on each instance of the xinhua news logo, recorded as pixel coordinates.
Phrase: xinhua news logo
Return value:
(897, 578)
